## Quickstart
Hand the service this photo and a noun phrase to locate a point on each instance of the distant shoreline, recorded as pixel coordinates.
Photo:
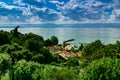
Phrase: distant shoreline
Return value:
(82, 25)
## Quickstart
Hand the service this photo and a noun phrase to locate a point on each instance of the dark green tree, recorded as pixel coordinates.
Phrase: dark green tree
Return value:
(73, 62)
(35, 37)
(54, 40)
(93, 51)
(33, 45)
(48, 42)
(4, 38)
(48, 56)
(81, 47)
(15, 31)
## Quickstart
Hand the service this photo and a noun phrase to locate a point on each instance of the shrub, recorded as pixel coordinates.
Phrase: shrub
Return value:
(58, 73)
(23, 54)
(5, 63)
(73, 62)
(103, 69)
(27, 70)
(39, 58)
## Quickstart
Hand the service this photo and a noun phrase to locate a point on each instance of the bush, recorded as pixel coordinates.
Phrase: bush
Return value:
(39, 58)
(23, 54)
(5, 63)
(73, 62)
(27, 71)
(5, 78)
(103, 69)
(58, 73)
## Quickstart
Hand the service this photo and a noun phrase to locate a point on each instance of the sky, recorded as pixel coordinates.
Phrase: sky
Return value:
(59, 11)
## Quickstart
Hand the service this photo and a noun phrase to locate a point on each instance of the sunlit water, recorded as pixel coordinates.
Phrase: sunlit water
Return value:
(80, 34)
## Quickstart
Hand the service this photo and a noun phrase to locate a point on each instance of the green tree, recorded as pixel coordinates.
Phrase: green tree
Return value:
(47, 42)
(48, 56)
(16, 52)
(32, 35)
(15, 31)
(5, 63)
(23, 54)
(103, 69)
(27, 70)
(54, 40)
(93, 51)
(73, 62)
(118, 49)
(111, 51)
(81, 47)
(36, 37)
(33, 45)
(4, 38)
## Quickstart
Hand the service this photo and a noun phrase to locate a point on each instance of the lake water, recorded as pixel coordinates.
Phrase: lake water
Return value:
(82, 33)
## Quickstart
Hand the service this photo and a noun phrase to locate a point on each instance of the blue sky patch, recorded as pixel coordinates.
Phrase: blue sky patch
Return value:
(60, 11)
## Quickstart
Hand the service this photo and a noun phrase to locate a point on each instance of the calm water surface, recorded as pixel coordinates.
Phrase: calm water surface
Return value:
(81, 35)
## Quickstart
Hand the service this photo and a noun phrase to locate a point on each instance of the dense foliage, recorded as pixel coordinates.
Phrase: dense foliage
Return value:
(72, 62)
(59, 73)
(97, 50)
(5, 64)
(27, 70)
(103, 69)
(27, 57)
(52, 41)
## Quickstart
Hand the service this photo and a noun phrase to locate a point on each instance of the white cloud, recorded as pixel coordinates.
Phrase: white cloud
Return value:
(40, 9)
(96, 4)
(19, 2)
(26, 11)
(57, 2)
(3, 19)
(4, 5)
(34, 20)
(116, 12)
(89, 10)
(115, 16)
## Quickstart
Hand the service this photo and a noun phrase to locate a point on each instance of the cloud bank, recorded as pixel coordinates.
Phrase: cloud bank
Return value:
(59, 11)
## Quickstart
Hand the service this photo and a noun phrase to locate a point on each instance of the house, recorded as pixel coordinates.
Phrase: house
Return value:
(66, 55)
(68, 48)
